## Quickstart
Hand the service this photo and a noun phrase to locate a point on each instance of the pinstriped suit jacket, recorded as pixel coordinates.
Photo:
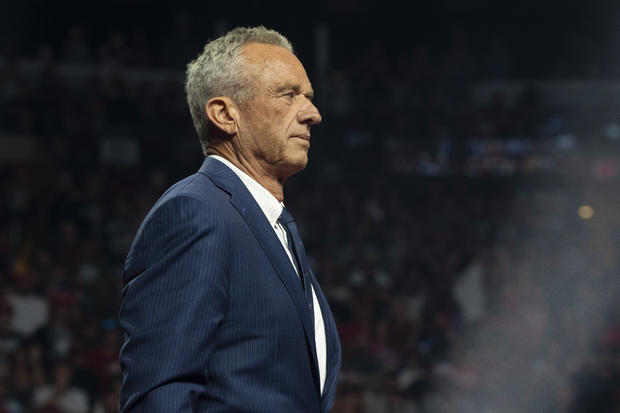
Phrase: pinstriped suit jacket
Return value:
(215, 317)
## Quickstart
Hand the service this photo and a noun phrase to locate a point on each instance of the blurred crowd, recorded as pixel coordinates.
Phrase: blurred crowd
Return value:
(456, 287)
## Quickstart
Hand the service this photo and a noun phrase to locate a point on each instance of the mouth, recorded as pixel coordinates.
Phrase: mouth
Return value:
(304, 137)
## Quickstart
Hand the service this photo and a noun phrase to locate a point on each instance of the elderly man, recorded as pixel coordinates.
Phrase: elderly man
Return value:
(220, 309)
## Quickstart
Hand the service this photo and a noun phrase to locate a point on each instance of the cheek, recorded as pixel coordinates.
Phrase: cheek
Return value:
(278, 126)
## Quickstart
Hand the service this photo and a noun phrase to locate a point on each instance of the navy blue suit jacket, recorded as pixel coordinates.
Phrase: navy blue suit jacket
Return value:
(215, 316)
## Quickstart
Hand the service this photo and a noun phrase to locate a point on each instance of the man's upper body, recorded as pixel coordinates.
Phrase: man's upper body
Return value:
(272, 209)
(215, 306)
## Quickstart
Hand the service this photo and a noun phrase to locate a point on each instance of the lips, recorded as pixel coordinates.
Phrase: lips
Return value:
(304, 137)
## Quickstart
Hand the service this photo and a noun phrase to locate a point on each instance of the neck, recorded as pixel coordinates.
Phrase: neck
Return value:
(274, 185)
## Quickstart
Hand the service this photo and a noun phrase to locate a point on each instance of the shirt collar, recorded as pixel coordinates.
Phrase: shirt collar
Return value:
(268, 203)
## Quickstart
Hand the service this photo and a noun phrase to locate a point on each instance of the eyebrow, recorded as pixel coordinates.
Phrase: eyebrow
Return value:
(295, 88)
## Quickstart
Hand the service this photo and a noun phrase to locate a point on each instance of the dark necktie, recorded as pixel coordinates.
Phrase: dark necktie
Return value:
(287, 221)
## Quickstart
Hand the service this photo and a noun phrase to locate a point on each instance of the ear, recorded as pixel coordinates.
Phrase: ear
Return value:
(222, 112)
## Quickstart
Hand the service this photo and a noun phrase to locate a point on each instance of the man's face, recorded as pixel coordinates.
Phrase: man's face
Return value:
(274, 126)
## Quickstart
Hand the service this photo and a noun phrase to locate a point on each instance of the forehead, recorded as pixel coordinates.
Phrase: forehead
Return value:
(274, 64)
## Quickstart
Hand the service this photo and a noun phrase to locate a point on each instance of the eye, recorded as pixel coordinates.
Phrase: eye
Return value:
(290, 94)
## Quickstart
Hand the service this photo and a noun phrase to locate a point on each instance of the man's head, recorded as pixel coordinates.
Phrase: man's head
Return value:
(248, 90)
(219, 71)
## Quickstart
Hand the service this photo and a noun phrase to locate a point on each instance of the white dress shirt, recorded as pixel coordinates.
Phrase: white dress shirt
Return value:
(272, 210)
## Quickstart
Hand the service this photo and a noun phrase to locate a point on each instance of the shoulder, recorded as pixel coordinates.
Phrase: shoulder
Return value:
(188, 213)
(197, 186)
(194, 197)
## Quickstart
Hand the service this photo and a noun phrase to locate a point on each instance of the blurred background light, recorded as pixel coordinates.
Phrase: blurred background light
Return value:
(585, 212)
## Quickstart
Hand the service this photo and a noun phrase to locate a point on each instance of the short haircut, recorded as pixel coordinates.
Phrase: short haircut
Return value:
(218, 71)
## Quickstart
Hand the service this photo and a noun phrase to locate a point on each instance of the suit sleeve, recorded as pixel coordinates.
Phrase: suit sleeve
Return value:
(175, 296)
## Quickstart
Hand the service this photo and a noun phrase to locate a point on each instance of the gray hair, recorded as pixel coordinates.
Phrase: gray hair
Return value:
(218, 71)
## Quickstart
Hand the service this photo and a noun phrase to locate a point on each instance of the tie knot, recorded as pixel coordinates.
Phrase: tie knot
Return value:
(285, 217)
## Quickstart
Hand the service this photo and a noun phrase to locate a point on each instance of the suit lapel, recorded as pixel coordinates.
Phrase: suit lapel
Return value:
(332, 342)
(243, 201)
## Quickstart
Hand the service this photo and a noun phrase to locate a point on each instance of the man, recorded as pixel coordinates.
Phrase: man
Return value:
(220, 309)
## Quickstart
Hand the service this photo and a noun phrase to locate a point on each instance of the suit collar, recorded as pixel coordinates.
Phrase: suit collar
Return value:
(271, 207)
(242, 200)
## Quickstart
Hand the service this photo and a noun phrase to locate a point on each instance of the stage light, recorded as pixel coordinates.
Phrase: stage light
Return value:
(585, 212)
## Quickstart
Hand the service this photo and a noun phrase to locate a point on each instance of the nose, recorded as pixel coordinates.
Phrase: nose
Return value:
(309, 114)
